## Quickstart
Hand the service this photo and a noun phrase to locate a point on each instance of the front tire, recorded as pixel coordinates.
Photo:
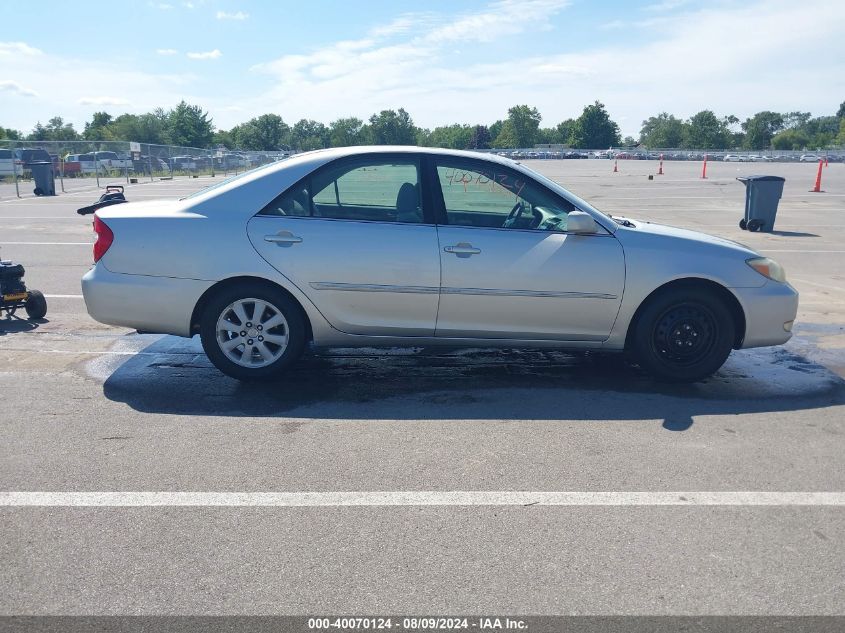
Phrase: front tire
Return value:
(252, 331)
(36, 305)
(683, 335)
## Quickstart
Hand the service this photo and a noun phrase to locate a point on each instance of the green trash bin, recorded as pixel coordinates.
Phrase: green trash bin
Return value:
(44, 177)
(762, 195)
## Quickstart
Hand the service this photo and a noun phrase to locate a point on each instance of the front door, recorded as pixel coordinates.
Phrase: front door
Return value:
(510, 270)
(352, 237)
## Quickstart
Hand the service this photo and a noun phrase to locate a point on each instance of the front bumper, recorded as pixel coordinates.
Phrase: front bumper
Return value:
(768, 309)
(142, 302)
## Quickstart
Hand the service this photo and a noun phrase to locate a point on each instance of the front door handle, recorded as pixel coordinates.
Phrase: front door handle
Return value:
(462, 249)
(283, 238)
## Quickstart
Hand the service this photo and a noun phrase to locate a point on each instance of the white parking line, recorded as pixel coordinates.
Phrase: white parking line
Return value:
(417, 498)
(64, 296)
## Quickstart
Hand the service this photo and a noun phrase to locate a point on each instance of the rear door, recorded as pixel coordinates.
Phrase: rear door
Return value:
(353, 236)
(509, 268)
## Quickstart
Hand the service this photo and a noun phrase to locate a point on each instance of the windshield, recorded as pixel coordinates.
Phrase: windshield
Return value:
(580, 203)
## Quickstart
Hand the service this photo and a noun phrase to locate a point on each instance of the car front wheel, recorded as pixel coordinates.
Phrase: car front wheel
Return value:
(683, 335)
(252, 332)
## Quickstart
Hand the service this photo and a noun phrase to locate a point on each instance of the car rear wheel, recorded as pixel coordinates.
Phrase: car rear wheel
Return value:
(252, 332)
(683, 335)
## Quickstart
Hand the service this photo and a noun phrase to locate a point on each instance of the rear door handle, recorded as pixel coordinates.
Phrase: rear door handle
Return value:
(282, 238)
(462, 249)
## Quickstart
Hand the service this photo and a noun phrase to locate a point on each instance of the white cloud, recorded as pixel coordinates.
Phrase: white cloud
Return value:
(15, 88)
(502, 18)
(666, 5)
(206, 55)
(240, 15)
(164, 6)
(10, 49)
(166, 51)
(102, 101)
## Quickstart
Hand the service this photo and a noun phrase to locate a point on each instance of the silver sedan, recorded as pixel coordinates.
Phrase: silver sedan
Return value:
(393, 246)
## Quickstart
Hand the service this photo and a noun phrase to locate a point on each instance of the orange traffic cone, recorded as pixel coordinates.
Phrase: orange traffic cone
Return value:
(615, 165)
(818, 186)
(660, 169)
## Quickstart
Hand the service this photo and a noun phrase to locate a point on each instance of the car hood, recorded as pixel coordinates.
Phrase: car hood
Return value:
(641, 226)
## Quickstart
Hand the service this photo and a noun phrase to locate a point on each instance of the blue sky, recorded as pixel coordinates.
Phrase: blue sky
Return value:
(444, 61)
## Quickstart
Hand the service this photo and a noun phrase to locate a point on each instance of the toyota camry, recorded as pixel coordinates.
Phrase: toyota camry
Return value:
(407, 246)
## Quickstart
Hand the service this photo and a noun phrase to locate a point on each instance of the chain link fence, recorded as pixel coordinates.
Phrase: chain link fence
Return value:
(80, 164)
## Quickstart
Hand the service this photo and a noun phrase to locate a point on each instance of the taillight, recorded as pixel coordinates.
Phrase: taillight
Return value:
(104, 238)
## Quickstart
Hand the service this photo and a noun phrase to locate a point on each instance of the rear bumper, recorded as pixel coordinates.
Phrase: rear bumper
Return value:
(768, 310)
(150, 304)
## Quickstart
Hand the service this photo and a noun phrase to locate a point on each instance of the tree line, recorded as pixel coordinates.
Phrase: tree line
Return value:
(191, 126)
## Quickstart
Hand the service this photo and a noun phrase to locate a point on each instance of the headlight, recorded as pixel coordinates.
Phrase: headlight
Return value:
(768, 268)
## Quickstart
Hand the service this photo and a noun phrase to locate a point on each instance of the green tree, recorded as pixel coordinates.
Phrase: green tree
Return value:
(10, 134)
(98, 128)
(564, 131)
(840, 113)
(760, 129)
(594, 129)
(188, 125)
(225, 138)
(705, 131)
(506, 138)
(347, 132)
(39, 133)
(423, 137)
(308, 134)
(390, 127)
(496, 128)
(266, 132)
(663, 130)
(480, 138)
(58, 130)
(795, 119)
(144, 128)
(841, 138)
(794, 139)
(525, 124)
(451, 136)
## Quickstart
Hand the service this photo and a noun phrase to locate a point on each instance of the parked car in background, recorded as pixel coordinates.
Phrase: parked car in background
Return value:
(149, 165)
(809, 158)
(83, 164)
(734, 158)
(183, 163)
(409, 246)
(9, 165)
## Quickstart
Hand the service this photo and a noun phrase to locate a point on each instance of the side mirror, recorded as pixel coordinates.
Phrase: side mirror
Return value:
(581, 223)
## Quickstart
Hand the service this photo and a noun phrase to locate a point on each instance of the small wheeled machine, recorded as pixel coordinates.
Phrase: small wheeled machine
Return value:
(14, 295)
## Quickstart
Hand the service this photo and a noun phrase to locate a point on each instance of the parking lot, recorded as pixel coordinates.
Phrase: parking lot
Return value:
(90, 408)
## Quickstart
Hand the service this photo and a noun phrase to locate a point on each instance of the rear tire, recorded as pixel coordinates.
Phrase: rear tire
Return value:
(252, 331)
(36, 305)
(743, 224)
(683, 335)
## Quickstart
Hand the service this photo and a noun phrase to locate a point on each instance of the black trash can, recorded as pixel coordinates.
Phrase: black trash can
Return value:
(44, 177)
(762, 194)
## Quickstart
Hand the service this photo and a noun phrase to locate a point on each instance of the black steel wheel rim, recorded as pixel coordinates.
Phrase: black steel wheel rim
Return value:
(685, 333)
